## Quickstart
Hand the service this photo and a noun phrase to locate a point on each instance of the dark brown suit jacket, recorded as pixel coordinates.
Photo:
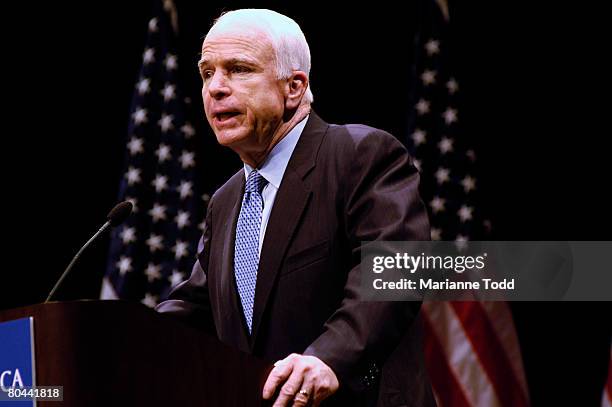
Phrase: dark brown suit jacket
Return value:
(343, 185)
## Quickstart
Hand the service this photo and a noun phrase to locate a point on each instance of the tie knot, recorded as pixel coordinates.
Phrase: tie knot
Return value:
(255, 182)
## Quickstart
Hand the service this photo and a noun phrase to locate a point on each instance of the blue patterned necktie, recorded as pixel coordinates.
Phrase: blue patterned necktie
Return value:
(246, 248)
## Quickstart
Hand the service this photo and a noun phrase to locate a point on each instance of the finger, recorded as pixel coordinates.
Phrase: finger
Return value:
(289, 358)
(277, 376)
(301, 400)
(289, 390)
(304, 396)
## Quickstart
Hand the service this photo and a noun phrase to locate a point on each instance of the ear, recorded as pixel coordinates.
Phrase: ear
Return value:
(295, 89)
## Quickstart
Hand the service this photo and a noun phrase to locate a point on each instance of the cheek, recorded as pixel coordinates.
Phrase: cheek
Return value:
(205, 101)
(268, 104)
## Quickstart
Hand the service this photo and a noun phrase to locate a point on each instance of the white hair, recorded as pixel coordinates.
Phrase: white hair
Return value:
(287, 39)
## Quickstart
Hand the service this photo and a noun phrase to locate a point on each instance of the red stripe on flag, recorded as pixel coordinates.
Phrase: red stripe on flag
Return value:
(447, 389)
(490, 352)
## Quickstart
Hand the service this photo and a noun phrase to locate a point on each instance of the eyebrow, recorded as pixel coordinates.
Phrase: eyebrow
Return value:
(232, 61)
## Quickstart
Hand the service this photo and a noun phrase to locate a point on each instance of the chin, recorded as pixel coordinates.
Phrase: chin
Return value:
(230, 137)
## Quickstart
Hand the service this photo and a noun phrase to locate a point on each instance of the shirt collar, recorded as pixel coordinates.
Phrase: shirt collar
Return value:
(276, 162)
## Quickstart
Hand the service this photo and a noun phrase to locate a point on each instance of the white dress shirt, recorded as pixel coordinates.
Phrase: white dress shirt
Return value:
(273, 169)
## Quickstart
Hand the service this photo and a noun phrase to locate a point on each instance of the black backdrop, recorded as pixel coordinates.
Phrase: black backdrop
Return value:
(530, 79)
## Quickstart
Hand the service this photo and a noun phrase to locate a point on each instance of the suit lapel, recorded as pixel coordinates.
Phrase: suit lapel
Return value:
(291, 200)
(234, 314)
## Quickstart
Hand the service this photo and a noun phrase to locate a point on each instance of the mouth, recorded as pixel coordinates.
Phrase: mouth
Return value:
(224, 118)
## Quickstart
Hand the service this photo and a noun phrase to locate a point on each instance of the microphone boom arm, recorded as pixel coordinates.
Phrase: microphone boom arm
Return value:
(74, 259)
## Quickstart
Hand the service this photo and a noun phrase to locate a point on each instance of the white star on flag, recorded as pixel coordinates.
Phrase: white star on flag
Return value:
(166, 122)
(442, 175)
(187, 159)
(452, 86)
(176, 278)
(445, 145)
(128, 235)
(158, 212)
(418, 136)
(163, 153)
(168, 92)
(428, 77)
(140, 116)
(437, 204)
(150, 300)
(180, 249)
(133, 175)
(468, 183)
(432, 47)
(124, 264)
(436, 234)
(135, 145)
(171, 62)
(450, 115)
(155, 242)
(185, 189)
(422, 106)
(144, 86)
(153, 272)
(206, 198)
(160, 183)
(188, 130)
(461, 242)
(153, 25)
(465, 213)
(182, 219)
(148, 56)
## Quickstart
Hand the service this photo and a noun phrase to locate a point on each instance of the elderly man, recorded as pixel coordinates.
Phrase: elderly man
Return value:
(278, 265)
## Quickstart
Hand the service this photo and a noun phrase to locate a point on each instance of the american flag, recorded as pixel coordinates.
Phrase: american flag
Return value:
(155, 249)
(471, 348)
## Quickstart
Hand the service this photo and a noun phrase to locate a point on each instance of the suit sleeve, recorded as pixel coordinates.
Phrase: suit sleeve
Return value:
(381, 202)
(190, 301)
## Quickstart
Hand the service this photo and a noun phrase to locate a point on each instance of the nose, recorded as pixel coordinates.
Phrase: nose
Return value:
(218, 88)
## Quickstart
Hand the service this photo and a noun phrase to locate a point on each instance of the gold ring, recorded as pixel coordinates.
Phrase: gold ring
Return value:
(304, 393)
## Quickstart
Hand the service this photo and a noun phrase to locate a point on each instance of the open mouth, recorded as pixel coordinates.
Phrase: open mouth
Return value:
(225, 117)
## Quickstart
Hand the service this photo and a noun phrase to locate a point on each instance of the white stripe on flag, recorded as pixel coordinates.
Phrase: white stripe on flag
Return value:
(108, 291)
(462, 357)
(501, 319)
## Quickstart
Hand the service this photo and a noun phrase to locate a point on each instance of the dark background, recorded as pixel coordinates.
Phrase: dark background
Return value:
(534, 102)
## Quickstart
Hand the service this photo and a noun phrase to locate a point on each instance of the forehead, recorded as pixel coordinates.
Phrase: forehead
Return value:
(232, 42)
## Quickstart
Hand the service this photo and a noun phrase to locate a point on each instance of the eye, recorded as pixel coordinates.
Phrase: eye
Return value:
(240, 69)
(207, 74)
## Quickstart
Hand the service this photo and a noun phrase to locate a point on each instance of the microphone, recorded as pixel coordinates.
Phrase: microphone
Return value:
(115, 217)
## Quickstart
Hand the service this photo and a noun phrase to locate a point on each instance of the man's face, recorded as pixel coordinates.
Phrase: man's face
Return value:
(244, 102)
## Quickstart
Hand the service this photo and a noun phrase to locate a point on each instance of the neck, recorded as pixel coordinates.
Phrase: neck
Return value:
(256, 158)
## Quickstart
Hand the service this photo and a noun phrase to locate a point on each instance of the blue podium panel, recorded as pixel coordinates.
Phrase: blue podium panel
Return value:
(16, 359)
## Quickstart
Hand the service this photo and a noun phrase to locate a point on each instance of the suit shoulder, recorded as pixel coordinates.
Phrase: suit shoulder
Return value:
(360, 139)
(230, 188)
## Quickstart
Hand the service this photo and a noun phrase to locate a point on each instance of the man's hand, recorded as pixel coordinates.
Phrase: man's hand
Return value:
(307, 381)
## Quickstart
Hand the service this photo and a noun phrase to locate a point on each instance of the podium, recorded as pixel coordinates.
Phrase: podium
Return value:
(117, 353)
